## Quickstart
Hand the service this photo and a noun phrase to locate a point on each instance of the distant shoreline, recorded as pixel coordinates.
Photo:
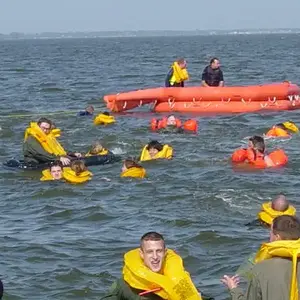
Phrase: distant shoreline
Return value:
(143, 33)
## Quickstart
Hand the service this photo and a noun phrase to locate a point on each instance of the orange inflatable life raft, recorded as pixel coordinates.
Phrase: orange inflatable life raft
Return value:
(278, 157)
(238, 99)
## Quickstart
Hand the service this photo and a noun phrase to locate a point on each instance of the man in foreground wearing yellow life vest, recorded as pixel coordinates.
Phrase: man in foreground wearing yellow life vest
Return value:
(153, 272)
(275, 274)
(277, 207)
(41, 146)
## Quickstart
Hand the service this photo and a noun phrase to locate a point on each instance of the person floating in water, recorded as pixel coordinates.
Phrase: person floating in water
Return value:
(174, 125)
(132, 169)
(41, 146)
(153, 271)
(277, 207)
(284, 129)
(212, 74)
(104, 118)
(156, 150)
(89, 111)
(177, 74)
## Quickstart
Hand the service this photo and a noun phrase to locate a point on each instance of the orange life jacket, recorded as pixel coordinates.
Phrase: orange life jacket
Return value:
(277, 132)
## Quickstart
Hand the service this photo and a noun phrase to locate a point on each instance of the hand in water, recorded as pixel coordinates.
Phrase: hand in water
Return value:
(65, 161)
(231, 282)
(77, 154)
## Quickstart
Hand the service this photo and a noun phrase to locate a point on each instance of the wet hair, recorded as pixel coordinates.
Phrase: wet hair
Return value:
(44, 120)
(129, 163)
(78, 166)
(180, 60)
(106, 113)
(152, 236)
(56, 163)
(90, 107)
(258, 143)
(213, 60)
(155, 145)
(280, 125)
(96, 147)
(287, 227)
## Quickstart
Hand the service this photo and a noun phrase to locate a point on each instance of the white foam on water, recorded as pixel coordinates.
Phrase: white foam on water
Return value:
(118, 151)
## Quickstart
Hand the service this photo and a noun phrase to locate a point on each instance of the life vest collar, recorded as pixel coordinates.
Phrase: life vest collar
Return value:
(166, 152)
(102, 119)
(267, 214)
(102, 152)
(134, 172)
(284, 249)
(179, 75)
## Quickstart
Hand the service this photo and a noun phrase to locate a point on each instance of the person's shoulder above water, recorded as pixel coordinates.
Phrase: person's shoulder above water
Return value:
(89, 111)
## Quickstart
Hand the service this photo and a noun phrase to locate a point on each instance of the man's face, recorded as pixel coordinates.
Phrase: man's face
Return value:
(153, 254)
(56, 172)
(46, 128)
(171, 120)
(216, 64)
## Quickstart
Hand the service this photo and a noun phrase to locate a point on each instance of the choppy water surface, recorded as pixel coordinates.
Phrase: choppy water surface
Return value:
(62, 241)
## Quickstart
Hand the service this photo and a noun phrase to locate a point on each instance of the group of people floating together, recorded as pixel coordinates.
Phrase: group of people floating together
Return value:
(153, 271)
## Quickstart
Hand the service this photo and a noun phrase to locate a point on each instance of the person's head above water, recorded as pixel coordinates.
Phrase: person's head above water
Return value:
(90, 109)
(181, 63)
(45, 124)
(280, 203)
(78, 166)
(153, 251)
(96, 148)
(56, 170)
(129, 163)
(215, 63)
(154, 147)
(257, 143)
(171, 120)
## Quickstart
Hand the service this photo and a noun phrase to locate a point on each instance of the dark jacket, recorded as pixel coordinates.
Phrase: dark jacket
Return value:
(34, 153)
(270, 280)
(168, 78)
(120, 290)
(212, 76)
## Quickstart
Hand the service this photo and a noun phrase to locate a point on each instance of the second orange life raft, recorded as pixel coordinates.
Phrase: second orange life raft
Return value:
(239, 99)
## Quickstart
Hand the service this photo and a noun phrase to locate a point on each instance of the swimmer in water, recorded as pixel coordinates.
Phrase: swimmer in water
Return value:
(89, 111)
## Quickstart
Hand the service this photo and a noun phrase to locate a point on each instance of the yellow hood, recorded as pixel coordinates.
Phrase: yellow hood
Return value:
(166, 152)
(267, 214)
(46, 175)
(285, 249)
(174, 282)
(179, 75)
(102, 119)
(134, 172)
(291, 126)
(102, 152)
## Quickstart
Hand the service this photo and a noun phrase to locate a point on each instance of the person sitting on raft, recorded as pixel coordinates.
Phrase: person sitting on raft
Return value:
(212, 74)
(155, 150)
(277, 207)
(255, 154)
(97, 149)
(132, 169)
(284, 129)
(152, 271)
(104, 119)
(178, 74)
(76, 173)
(41, 146)
(172, 124)
(89, 111)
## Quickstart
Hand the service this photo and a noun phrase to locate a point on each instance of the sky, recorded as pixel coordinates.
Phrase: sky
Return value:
(35, 16)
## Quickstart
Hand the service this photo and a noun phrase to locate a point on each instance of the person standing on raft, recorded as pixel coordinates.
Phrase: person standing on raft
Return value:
(177, 74)
(212, 75)
(153, 272)
(41, 146)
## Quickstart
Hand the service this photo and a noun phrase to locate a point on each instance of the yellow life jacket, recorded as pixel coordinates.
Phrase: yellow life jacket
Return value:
(174, 282)
(285, 249)
(47, 141)
(102, 152)
(179, 75)
(70, 176)
(267, 214)
(134, 172)
(56, 132)
(166, 152)
(46, 175)
(102, 119)
(291, 126)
